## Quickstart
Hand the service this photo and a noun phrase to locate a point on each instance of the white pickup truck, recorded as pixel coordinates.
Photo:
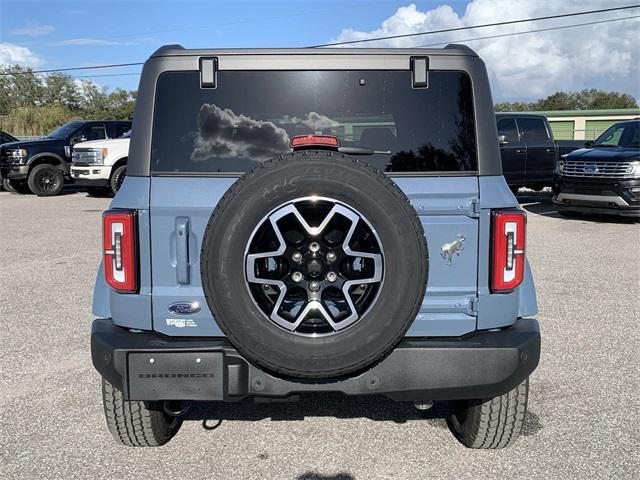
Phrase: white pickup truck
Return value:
(100, 165)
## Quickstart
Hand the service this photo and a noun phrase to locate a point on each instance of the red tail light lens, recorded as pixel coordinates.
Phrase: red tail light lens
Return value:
(508, 246)
(314, 141)
(119, 233)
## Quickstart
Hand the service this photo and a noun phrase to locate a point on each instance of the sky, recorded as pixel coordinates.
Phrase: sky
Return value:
(60, 34)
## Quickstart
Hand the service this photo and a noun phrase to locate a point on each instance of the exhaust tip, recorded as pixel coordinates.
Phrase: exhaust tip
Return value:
(423, 405)
(175, 408)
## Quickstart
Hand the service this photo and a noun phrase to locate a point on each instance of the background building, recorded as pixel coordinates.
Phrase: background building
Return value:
(585, 124)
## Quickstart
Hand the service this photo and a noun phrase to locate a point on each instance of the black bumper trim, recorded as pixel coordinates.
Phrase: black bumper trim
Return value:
(597, 209)
(87, 182)
(14, 172)
(478, 365)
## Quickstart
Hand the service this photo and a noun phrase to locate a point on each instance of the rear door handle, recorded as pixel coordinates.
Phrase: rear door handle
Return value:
(182, 251)
(549, 150)
(520, 151)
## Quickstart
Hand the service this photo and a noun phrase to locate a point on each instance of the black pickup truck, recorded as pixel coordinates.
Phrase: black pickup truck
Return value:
(41, 166)
(5, 138)
(529, 151)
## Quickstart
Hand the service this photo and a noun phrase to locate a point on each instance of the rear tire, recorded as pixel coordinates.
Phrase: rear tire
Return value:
(491, 423)
(46, 180)
(117, 177)
(133, 423)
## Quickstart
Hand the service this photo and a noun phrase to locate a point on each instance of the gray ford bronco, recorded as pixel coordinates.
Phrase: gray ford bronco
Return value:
(314, 220)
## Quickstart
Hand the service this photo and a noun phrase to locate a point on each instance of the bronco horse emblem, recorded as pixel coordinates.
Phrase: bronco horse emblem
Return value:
(449, 249)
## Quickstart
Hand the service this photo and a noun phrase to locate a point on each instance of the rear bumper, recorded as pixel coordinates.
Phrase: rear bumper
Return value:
(150, 366)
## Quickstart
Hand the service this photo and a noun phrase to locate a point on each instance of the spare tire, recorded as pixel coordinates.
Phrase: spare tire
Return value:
(314, 265)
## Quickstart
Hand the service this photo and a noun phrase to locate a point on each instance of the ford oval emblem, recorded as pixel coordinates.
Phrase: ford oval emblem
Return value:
(184, 308)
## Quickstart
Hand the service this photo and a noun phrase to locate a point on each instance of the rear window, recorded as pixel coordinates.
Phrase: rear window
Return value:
(251, 116)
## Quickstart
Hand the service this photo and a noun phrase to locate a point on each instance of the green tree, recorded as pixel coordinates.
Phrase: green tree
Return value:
(94, 99)
(23, 89)
(62, 90)
(593, 99)
(556, 101)
(588, 99)
(32, 104)
(512, 107)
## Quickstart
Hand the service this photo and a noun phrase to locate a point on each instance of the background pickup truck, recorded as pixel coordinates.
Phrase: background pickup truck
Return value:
(528, 150)
(100, 165)
(42, 166)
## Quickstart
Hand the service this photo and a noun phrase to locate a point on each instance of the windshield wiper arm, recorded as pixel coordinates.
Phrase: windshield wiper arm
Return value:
(362, 151)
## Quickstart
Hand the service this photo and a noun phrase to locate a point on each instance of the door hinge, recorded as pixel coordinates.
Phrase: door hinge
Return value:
(473, 208)
(472, 306)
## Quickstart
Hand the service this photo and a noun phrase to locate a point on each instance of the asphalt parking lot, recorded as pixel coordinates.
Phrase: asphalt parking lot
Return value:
(583, 410)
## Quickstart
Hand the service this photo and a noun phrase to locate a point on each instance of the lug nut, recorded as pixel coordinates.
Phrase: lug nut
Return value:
(297, 256)
(332, 276)
(314, 247)
(314, 286)
(331, 257)
(296, 276)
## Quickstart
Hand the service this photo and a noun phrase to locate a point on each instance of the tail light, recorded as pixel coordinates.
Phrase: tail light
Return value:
(507, 251)
(119, 232)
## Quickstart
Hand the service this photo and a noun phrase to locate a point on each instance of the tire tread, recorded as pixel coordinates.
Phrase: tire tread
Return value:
(496, 422)
(132, 424)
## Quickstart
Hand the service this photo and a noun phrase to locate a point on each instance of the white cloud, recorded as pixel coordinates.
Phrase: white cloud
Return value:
(529, 66)
(313, 120)
(222, 132)
(33, 30)
(16, 55)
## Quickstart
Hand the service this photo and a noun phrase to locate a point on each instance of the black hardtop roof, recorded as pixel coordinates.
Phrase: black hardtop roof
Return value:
(176, 59)
(178, 50)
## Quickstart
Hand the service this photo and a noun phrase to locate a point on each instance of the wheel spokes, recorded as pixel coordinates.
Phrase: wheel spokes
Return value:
(312, 266)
